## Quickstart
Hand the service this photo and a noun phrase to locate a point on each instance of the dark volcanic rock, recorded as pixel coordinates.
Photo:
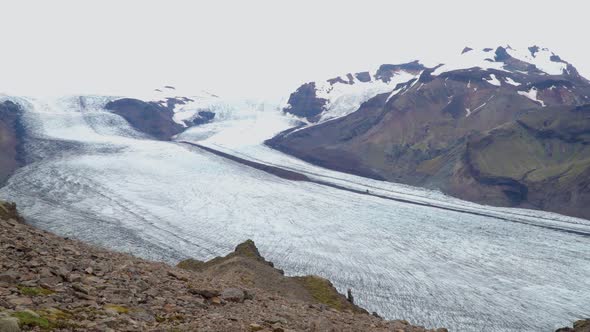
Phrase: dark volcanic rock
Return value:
(147, 117)
(203, 117)
(349, 80)
(364, 76)
(502, 54)
(304, 102)
(466, 49)
(12, 133)
(534, 50)
(172, 102)
(386, 72)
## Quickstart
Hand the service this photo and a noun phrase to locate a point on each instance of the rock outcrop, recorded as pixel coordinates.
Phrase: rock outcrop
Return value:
(245, 265)
(151, 118)
(8, 211)
(582, 325)
(52, 283)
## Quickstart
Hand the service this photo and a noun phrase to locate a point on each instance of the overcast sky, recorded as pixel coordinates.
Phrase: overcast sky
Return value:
(258, 48)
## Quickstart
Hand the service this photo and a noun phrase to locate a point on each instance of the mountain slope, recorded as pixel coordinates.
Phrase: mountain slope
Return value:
(437, 131)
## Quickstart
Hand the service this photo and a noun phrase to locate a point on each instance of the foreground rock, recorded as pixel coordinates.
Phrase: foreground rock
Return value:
(579, 326)
(53, 283)
(246, 266)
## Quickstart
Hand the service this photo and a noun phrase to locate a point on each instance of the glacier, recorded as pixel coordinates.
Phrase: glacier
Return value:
(406, 252)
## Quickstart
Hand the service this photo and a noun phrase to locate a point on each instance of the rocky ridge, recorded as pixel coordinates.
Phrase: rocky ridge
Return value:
(52, 283)
(582, 325)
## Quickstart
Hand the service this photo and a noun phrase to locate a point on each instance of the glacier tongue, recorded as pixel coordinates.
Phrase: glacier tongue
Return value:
(165, 200)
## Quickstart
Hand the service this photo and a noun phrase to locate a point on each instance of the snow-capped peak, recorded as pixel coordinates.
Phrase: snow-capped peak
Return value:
(500, 58)
(470, 58)
(545, 60)
(344, 94)
(334, 98)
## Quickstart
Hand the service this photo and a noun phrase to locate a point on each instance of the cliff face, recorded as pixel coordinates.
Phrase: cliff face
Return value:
(53, 283)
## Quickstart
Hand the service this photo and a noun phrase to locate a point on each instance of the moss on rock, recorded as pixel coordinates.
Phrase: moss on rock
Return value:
(34, 291)
(190, 264)
(322, 291)
(30, 319)
(117, 308)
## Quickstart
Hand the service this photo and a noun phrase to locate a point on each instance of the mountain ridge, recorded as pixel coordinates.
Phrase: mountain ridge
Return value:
(426, 131)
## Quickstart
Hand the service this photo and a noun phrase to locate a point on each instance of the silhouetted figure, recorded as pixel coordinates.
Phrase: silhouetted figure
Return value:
(349, 296)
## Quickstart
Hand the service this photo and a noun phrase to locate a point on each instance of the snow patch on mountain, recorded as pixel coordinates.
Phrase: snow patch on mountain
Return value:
(493, 80)
(393, 93)
(472, 59)
(532, 95)
(542, 58)
(345, 98)
(511, 81)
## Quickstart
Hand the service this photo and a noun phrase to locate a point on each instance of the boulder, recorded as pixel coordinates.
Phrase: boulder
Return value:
(9, 324)
(255, 327)
(233, 295)
(8, 277)
(206, 293)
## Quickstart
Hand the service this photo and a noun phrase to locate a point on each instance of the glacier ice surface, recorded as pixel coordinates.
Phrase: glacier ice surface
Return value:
(98, 180)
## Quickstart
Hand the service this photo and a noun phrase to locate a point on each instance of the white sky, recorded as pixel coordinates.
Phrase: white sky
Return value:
(259, 48)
